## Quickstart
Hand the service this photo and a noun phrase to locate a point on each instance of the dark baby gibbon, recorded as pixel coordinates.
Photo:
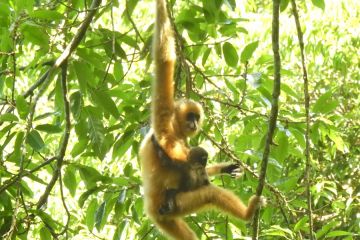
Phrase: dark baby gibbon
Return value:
(193, 174)
(173, 122)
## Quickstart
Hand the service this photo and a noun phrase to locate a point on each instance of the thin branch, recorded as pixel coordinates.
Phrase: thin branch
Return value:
(274, 110)
(65, 139)
(18, 177)
(307, 106)
(133, 23)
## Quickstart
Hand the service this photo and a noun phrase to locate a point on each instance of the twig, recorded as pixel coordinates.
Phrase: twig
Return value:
(307, 106)
(274, 111)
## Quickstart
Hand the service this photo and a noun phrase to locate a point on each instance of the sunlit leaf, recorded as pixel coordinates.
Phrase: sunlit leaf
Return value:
(90, 214)
(326, 103)
(338, 234)
(35, 141)
(46, 14)
(248, 51)
(319, 3)
(8, 117)
(22, 106)
(70, 180)
(300, 225)
(230, 54)
(45, 234)
(49, 128)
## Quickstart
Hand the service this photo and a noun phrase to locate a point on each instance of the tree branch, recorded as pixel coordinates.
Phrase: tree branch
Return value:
(65, 140)
(307, 106)
(274, 110)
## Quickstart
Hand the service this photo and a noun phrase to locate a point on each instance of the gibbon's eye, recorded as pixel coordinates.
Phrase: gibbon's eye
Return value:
(192, 117)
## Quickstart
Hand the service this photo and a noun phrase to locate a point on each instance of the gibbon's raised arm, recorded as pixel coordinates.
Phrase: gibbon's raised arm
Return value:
(163, 86)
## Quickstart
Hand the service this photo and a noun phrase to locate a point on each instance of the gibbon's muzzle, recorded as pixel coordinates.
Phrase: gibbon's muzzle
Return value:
(192, 119)
(193, 125)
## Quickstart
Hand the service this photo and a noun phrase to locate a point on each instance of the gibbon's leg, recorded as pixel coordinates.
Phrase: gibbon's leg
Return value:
(176, 228)
(210, 195)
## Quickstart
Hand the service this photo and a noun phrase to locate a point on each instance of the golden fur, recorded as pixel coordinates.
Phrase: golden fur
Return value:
(171, 129)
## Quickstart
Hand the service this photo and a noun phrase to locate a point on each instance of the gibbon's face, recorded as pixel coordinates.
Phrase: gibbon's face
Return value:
(189, 115)
(198, 155)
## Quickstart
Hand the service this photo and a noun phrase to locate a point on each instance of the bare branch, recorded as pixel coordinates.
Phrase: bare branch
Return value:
(274, 110)
(307, 106)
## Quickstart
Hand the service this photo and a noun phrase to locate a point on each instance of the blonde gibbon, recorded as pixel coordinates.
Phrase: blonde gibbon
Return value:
(172, 123)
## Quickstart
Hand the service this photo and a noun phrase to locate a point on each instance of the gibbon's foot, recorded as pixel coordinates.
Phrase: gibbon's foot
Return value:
(259, 201)
(234, 169)
(262, 201)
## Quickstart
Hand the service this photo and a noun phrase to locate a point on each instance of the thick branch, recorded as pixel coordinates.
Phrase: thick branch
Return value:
(65, 55)
(274, 109)
(307, 105)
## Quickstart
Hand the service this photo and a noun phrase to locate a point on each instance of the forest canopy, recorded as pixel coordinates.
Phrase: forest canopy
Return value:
(75, 94)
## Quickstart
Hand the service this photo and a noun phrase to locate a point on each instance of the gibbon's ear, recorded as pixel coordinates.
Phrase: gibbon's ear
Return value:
(189, 117)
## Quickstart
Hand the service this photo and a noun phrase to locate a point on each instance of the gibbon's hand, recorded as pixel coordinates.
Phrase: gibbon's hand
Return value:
(234, 169)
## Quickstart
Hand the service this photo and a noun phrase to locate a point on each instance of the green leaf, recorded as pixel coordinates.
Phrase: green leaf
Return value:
(21, 5)
(48, 128)
(17, 146)
(339, 142)
(248, 51)
(230, 54)
(22, 106)
(319, 3)
(338, 233)
(83, 73)
(300, 225)
(35, 34)
(283, 5)
(118, 71)
(46, 218)
(206, 55)
(120, 229)
(99, 215)
(79, 147)
(45, 234)
(87, 194)
(103, 99)
(8, 117)
(70, 180)
(123, 144)
(46, 14)
(35, 141)
(90, 214)
(76, 104)
(326, 103)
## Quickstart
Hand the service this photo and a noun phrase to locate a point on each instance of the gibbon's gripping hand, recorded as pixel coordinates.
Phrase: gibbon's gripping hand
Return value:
(234, 169)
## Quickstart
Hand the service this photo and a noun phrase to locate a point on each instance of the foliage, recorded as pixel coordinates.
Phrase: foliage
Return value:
(226, 46)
